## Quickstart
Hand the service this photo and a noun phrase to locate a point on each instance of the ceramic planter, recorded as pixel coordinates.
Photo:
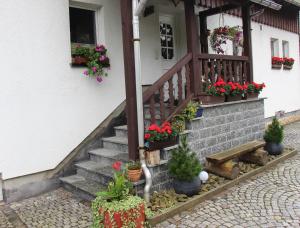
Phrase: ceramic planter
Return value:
(234, 98)
(286, 67)
(188, 188)
(199, 112)
(134, 175)
(209, 99)
(276, 66)
(133, 217)
(163, 144)
(274, 148)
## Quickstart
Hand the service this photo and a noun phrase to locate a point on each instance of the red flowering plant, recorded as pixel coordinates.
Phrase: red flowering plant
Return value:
(254, 87)
(277, 61)
(234, 89)
(288, 61)
(217, 89)
(161, 133)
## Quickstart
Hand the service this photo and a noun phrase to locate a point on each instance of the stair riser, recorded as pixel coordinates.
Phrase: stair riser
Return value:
(78, 192)
(115, 146)
(97, 177)
(121, 133)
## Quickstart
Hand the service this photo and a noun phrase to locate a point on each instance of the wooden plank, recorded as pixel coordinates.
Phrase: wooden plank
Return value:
(232, 153)
(218, 9)
(188, 79)
(152, 109)
(171, 94)
(225, 70)
(162, 104)
(223, 57)
(179, 81)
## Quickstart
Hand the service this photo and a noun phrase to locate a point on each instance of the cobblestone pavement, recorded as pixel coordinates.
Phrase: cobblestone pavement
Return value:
(271, 199)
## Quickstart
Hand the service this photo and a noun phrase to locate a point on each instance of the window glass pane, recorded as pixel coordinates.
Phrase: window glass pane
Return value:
(285, 48)
(82, 26)
(274, 47)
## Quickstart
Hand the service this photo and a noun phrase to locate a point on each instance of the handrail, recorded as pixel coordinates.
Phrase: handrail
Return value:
(167, 76)
(223, 57)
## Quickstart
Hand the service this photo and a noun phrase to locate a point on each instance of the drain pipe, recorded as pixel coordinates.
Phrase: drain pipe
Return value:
(139, 95)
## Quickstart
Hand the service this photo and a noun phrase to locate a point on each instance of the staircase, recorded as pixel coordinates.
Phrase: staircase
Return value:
(93, 175)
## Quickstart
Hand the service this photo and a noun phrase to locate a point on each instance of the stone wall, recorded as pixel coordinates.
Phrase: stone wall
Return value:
(225, 126)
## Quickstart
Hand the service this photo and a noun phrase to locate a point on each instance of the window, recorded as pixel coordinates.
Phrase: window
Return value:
(82, 26)
(274, 47)
(285, 49)
(167, 41)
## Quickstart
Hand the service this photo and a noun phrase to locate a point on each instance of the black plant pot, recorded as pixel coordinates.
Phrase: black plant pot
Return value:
(188, 188)
(274, 148)
(199, 112)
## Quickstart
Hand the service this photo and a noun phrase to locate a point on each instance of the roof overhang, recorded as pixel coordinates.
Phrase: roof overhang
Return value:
(294, 2)
(268, 3)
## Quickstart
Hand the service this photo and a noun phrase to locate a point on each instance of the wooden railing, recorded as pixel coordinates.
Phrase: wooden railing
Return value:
(231, 68)
(168, 95)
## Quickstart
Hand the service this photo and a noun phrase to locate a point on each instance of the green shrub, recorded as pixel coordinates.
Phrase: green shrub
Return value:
(184, 164)
(190, 111)
(274, 133)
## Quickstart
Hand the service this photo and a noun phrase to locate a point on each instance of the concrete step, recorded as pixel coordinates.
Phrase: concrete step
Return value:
(116, 143)
(108, 157)
(95, 171)
(83, 188)
(121, 131)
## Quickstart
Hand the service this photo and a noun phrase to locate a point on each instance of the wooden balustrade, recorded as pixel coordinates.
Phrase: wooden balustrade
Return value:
(230, 68)
(168, 95)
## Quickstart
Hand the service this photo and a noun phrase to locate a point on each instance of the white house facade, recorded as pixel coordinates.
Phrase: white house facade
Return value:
(49, 106)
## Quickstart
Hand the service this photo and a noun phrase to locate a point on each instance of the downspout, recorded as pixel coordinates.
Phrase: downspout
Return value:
(137, 9)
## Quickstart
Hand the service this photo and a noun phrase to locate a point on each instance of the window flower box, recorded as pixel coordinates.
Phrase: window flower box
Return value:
(78, 60)
(288, 63)
(158, 145)
(277, 62)
(210, 99)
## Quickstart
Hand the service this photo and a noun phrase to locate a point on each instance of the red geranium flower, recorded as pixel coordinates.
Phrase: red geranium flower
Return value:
(117, 165)
(147, 136)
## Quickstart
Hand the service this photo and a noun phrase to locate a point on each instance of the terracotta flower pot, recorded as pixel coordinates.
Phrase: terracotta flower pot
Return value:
(134, 175)
(133, 217)
(209, 99)
(233, 98)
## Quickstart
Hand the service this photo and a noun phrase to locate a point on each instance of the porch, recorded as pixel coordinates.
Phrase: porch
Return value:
(190, 76)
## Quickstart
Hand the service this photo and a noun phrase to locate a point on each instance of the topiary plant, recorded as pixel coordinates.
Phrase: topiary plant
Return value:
(184, 164)
(274, 133)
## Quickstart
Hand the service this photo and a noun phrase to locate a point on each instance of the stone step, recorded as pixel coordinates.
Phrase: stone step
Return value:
(121, 131)
(108, 157)
(116, 143)
(95, 171)
(83, 188)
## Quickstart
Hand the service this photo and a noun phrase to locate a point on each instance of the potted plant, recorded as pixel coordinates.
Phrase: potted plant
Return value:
(274, 137)
(215, 93)
(252, 90)
(191, 111)
(80, 55)
(178, 123)
(116, 207)
(288, 63)
(185, 167)
(277, 62)
(159, 137)
(234, 91)
(134, 171)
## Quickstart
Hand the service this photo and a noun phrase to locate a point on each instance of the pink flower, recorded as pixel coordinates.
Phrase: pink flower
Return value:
(99, 48)
(99, 79)
(102, 58)
(94, 69)
(86, 73)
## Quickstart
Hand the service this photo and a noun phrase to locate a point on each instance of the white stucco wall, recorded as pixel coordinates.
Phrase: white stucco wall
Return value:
(283, 86)
(48, 107)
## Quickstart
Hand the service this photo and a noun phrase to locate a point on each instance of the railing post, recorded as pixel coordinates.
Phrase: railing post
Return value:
(247, 39)
(192, 45)
(129, 68)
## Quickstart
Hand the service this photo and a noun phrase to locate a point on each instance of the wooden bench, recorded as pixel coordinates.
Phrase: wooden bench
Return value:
(223, 165)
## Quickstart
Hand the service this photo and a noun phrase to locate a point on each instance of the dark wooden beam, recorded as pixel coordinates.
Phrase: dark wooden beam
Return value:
(217, 10)
(129, 68)
(203, 34)
(192, 44)
(246, 17)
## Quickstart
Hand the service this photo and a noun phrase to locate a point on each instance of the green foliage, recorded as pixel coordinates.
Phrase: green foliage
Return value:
(134, 165)
(178, 123)
(190, 111)
(184, 164)
(274, 133)
(81, 51)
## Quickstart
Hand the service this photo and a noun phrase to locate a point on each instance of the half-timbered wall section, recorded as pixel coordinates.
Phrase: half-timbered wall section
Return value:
(287, 18)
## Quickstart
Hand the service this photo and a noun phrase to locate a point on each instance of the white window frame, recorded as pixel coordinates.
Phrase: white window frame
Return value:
(285, 49)
(274, 47)
(99, 19)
